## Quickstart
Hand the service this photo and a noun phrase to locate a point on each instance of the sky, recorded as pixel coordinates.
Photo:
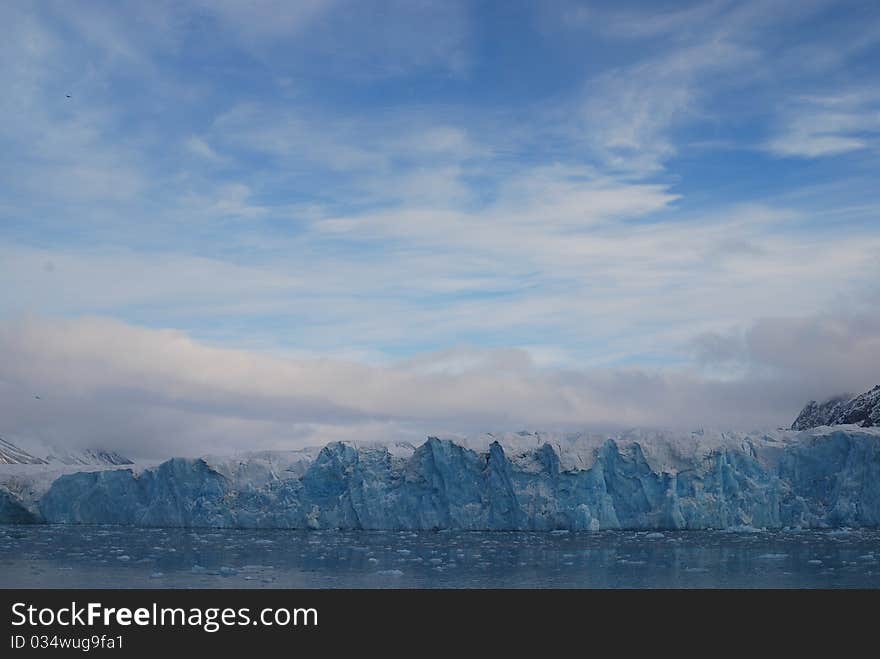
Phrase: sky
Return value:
(235, 225)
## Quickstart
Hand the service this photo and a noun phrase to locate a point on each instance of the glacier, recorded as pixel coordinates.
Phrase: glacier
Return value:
(822, 477)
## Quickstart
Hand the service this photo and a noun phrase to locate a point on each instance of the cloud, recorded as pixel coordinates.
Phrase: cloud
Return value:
(829, 126)
(582, 271)
(154, 393)
(294, 136)
(67, 138)
(826, 354)
(199, 147)
(644, 23)
(255, 20)
(100, 280)
(405, 37)
(536, 210)
(632, 116)
(480, 237)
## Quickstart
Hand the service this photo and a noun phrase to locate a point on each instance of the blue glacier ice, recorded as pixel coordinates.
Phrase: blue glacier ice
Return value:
(14, 511)
(823, 477)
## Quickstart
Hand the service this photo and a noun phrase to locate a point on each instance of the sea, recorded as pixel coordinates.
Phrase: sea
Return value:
(69, 556)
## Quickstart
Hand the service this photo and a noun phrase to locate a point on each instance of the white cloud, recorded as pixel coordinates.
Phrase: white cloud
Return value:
(223, 201)
(533, 211)
(200, 147)
(631, 114)
(829, 126)
(592, 277)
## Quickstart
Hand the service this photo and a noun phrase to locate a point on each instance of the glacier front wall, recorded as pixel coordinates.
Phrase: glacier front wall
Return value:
(819, 481)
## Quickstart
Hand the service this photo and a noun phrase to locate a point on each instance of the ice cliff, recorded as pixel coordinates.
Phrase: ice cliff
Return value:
(815, 478)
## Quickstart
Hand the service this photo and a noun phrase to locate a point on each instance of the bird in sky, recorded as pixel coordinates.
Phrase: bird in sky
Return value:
(38, 398)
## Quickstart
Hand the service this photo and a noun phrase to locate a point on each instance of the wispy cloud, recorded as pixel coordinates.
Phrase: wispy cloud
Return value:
(829, 125)
(407, 38)
(629, 114)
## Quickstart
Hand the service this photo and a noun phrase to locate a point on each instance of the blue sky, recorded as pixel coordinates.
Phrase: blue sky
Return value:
(439, 185)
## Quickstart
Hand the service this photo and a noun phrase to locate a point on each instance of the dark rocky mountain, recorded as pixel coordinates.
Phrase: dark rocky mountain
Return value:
(863, 410)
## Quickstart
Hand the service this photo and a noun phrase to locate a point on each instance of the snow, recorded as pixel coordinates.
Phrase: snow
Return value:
(257, 469)
(12, 454)
(665, 450)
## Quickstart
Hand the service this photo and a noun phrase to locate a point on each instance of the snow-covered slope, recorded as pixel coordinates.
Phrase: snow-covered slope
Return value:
(37, 453)
(664, 450)
(863, 410)
(821, 477)
(88, 457)
(10, 454)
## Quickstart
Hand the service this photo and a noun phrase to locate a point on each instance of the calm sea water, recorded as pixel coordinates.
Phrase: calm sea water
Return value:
(124, 557)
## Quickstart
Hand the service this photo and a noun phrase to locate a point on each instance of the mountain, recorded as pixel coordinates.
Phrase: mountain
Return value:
(88, 457)
(12, 454)
(862, 410)
(826, 477)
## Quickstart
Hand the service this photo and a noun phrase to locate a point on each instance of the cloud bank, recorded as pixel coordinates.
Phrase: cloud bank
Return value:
(154, 393)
